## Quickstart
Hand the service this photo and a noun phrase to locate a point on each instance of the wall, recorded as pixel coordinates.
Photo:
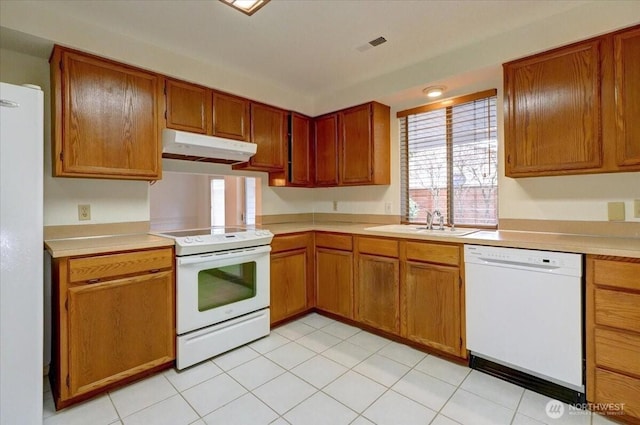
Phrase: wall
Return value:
(477, 67)
(115, 201)
(468, 69)
(172, 207)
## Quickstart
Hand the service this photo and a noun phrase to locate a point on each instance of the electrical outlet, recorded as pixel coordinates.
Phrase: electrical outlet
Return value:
(387, 207)
(84, 212)
(616, 211)
(636, 208)
(335, 205)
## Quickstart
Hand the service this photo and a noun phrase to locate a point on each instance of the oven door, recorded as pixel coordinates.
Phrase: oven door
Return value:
(218, 286)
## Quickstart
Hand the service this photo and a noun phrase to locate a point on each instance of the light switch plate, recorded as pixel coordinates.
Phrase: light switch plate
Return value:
(636, 208)
(616, 211)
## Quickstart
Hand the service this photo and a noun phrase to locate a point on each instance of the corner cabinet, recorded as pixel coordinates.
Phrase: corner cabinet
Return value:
(106, 118)
(572, 110)
(299, 168)
(613, 334)
(113, 321)
(292, 290)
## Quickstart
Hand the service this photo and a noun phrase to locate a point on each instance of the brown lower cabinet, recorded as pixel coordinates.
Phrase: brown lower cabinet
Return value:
(292, 289)
(613, 335)
(114, 320)
(410, 289)
(334, 274)
(378, 283)
(431, 305)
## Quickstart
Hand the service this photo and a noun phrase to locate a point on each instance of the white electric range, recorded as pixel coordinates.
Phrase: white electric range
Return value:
(222, 290)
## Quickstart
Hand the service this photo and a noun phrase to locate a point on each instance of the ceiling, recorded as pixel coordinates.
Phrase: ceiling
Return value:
(311, 46)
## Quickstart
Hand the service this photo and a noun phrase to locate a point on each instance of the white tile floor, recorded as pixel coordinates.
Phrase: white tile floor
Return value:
(318, 371)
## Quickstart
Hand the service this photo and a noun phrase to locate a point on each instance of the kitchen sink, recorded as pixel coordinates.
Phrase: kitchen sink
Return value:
(421, 229)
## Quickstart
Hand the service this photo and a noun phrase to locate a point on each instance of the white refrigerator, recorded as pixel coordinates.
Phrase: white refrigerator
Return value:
(21, 244)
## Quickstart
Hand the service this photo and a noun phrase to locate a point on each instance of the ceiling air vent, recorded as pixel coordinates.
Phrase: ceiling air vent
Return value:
(378, 41)
(373, 43)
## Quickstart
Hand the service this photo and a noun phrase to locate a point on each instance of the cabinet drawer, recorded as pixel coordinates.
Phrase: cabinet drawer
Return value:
(332, 240)
(107, 266)
(617, 309)
(289, 242)
(617, 273)
(615, 388)
(618, 350)
(376, 246)
(433, 253)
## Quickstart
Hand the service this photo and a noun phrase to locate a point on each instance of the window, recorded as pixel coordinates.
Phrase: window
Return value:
(218, 210)
(449, 160)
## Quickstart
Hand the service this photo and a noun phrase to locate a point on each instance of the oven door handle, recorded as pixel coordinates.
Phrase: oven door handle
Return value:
(239, 253)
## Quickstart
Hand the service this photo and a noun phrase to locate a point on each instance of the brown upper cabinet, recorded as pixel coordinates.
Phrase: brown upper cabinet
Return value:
(571, 110)
(364, 145)
(626, 65)
(299, 168)
(360, 138)
(231, 117)
(269, 132)
(326, 150)
(106, 122)
(188, 107)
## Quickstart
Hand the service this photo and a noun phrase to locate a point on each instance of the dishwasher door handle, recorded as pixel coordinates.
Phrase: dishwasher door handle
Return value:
(518, 264)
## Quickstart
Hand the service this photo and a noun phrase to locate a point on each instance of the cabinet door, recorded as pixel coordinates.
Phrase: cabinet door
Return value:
(431, 306)
(356, 145)
(288, 284)
(230, 116)
(627, 89)
(326, 150)
(378, 292)
(188, 107)
(300, 169)
(119, 328)
(553, 112)
(334, 281)
(107, 119)
(269, 132)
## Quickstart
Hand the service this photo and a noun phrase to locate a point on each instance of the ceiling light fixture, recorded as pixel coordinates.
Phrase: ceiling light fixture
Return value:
(248, 7)
(434, 91)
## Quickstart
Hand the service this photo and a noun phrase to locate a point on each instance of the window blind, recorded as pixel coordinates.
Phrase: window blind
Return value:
(449, 160)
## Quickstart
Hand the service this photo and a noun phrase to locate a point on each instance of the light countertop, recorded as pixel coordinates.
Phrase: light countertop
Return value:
(102, 244)
(598, 245)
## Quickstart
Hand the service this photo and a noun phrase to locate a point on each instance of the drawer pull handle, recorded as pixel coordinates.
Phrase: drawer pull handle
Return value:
(154, 270)
(90, 281)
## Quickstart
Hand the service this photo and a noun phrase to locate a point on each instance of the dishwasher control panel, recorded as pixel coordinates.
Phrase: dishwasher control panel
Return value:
(523, 257)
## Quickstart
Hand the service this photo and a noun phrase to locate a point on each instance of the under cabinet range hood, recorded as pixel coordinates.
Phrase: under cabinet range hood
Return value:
(184, 145)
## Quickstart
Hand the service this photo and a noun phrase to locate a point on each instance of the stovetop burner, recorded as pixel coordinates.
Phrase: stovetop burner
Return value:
(215, 239)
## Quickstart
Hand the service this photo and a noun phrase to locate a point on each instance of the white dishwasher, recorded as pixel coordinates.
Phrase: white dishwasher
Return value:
(524, 316)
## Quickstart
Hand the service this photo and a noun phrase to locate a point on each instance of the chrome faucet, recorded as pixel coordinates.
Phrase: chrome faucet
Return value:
(440, 219)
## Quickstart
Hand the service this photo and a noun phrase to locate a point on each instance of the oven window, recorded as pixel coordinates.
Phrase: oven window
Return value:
(225, 285)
